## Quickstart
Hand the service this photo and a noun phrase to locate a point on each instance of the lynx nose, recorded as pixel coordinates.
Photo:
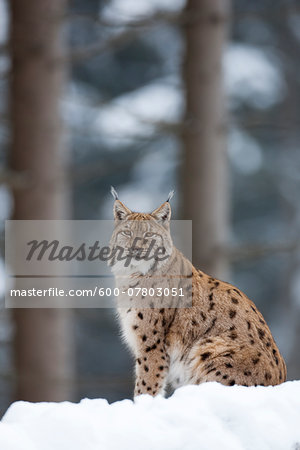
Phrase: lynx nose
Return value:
(134, 250)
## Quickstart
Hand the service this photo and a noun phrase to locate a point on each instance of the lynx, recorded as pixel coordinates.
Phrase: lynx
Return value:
(222, 337)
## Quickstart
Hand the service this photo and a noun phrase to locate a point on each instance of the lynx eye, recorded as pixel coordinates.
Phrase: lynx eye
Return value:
(148, 234)
(127, 232)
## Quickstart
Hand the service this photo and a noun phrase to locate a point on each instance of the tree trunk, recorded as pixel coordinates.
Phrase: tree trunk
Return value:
(205, 183)
(43, 344)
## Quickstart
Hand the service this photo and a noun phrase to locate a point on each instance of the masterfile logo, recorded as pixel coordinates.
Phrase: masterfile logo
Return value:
(66, 263)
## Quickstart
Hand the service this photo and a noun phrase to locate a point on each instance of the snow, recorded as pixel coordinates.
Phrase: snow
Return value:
(128, 117)
(244, 152)
(136, 113)
(132, 9)
(252, 76)
(210, 416)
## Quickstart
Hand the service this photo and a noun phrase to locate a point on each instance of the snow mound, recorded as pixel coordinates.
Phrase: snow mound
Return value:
(210, 416)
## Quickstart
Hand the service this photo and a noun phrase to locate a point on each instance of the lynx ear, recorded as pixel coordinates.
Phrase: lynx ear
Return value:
(120, 210)
(163, 212)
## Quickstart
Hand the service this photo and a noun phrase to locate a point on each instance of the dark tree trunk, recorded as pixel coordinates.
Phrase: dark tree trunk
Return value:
(205, 176)
(43, 344)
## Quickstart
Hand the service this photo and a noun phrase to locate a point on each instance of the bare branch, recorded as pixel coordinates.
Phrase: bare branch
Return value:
(82, 54)
(182, 18)
(130, 31)
(142, 21)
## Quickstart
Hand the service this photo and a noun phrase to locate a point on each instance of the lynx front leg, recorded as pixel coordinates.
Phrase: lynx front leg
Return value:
(152, 367)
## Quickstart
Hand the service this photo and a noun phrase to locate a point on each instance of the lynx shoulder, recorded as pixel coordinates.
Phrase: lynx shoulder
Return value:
(220, 337)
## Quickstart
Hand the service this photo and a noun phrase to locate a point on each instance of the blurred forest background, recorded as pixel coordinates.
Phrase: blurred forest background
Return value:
(148, 95)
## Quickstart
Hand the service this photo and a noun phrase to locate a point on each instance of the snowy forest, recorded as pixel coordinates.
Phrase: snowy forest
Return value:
(202, 97)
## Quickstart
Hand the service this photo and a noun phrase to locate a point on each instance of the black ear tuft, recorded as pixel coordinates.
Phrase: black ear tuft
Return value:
(114, 193)
(171, 193)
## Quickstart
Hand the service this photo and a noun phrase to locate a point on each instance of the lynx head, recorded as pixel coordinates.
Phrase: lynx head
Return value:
(143, 238)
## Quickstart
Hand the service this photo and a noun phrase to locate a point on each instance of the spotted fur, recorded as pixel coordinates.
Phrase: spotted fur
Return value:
(222, 337)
